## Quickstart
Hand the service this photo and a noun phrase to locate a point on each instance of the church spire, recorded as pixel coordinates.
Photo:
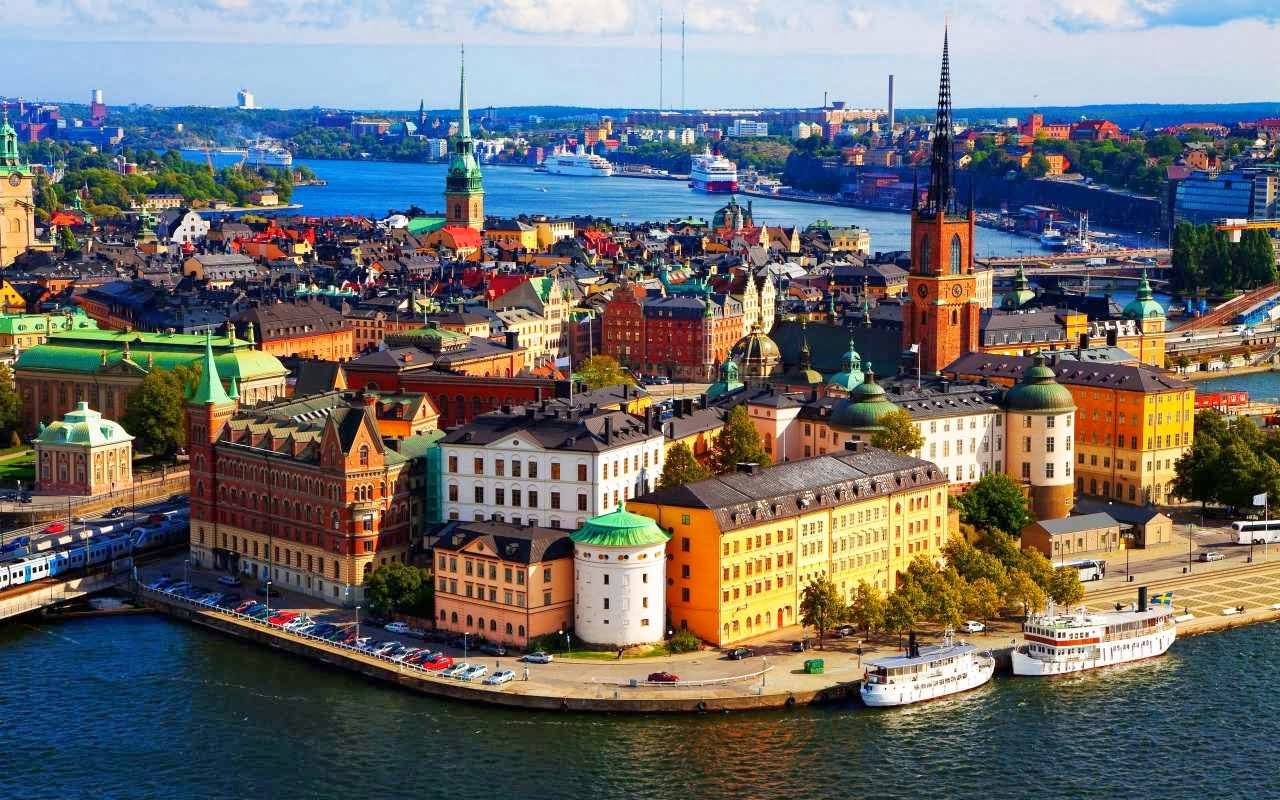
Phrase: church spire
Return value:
(464, 113)
(940, 188)
(8, 141)
(209, 389)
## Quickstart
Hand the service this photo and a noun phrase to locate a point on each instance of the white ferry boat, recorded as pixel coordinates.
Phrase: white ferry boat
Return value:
(580, 163)
(1057, 644)
(1053, 239)
(713, 173)
(269, 154)
(926, 673)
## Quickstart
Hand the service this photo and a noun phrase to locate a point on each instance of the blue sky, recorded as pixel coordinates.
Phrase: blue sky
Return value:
(390, 53)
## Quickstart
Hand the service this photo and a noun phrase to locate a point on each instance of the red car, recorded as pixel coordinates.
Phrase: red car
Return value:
(283, 617)
(243, 607)
(663, 677)
(439, 662)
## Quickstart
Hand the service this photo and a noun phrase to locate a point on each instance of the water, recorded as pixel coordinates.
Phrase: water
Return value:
(1259, 385)
(144, 707)
(372, 188)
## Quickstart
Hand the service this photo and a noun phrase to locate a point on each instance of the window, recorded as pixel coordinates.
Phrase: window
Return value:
(582, 472)
(1026, 470)
(1048, 470)
(555, 499)
(533, 499)
(533, 469)
(500, 467)
(453, 492)
(555, 470)
(546, 575)
(684, 544)
(479, 494)
(922, 265)
(956, 254)
(515, 468)
(582, 502)
(684, 595)
(546, 599)
(684, 570)
(499, 496)
(364, 459)
(1048, 443)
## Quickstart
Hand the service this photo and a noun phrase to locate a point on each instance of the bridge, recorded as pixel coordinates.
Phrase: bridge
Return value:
(52, 592)
(1223, 314)
(1161, 254)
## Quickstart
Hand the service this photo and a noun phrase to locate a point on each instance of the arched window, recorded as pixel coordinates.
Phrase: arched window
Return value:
(364, 455)
(922, 258)
(442, 615)
(956, 248)
(521, 630)
(493, 625)
(454, 617)
(508, 628)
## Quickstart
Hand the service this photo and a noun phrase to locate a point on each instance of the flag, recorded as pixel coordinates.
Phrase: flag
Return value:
(1260, 499)
(1165, 598)
(915, 348)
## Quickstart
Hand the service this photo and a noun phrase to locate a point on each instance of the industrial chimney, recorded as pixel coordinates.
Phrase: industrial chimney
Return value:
(890, 110)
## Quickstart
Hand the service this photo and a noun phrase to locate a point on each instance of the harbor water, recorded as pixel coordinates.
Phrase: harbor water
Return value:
(146, 707)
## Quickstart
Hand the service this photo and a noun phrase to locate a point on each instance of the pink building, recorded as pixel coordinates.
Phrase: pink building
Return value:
(83, 454)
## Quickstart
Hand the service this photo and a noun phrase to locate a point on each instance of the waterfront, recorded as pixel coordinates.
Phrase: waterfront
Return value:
(212, 717)
(1259, 385)
(375, 187)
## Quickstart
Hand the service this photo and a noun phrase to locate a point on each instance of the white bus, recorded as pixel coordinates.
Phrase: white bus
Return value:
(1090, 570)
(1257, 532)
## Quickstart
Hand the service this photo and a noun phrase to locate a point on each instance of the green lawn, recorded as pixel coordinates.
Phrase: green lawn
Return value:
(19, 467)
(657, 651)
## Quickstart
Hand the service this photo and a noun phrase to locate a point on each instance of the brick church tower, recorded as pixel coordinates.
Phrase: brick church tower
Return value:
(941, 314)
(464, 185)
(208, 410)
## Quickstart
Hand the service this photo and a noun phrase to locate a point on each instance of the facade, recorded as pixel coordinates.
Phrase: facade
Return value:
(1064, 540)
(83, 454)
(619, 578)
(507, 583)
(681, 336)
(303, 493)
(306, 329)
(745, 545)
(464, 185)
(102, 367)
(19, 332)
(17, 206)
(550, 465)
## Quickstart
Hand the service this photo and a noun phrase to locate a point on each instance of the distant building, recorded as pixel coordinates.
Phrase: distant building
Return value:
(745, 128)
(244, 100)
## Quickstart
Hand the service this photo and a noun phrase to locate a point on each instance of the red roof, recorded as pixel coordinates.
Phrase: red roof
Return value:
(501, 284)
(65, 218)
(463, 236)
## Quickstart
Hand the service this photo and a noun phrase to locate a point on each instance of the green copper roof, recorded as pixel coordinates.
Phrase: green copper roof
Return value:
(864, 408)
(209, 389)
(620, 528)
(1020, 294)
(83, 426)
(1039, 390)
(420, 225)
(20, 324)
(93, 351)
(10, 160)
(850, 375)
(464, 171)
(1144, 305)
(729, 381)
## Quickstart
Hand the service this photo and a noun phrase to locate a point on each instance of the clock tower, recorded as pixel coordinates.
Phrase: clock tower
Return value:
(941, 315)
(464, 186)
(17, 207)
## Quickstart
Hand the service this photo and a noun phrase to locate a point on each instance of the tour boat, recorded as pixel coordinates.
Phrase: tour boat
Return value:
(580, 163)
(1061, 643)
(926, 673)
(713, 173)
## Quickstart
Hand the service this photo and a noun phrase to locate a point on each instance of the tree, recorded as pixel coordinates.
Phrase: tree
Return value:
(680, 468)
(1065, 587)
(868, 607)
(156, 411)
(67, 240)
(821, 606)
(1023, 591)
(598, 372)
(899, 613)
(983, 599)
(10, 406)
(683, 641)
(399, 588)
(897, 434)
(996, 501)
(738, 443)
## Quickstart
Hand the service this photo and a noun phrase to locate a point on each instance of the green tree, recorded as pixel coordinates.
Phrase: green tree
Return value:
(738, 443)
(156, 411)
(1037, 565)
(821, 606)
(897, 434)
(974, 564)
(867, 608)
(983, 599)
(1037, 167)
(67, 241)
(398, 588)
(598, 372)
(680, 467)
(900, 613)
(10, 406)
(1065, 587)
(996, 501)
(1023, 591)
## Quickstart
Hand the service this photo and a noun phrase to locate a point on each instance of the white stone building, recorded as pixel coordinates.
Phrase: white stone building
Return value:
(619, 576)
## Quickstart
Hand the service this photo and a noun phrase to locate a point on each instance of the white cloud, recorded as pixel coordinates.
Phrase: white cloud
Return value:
(559, 16)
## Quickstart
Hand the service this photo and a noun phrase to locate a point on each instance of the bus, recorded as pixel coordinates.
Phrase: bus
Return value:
(1089, 570)
(1257, 532)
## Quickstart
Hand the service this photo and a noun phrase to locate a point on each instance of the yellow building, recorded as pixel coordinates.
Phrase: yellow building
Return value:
(745, 545)
(17, 207)
(551, 231)
(512, 234)
(11, 301)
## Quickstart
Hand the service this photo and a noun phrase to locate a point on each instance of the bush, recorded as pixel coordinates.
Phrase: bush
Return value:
(683, 641)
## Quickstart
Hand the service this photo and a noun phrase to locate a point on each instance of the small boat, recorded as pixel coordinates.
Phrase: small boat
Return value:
(1058, 644)
(542, 188)
(926, 673)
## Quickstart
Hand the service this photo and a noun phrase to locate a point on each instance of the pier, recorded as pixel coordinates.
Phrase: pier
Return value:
(52, 592)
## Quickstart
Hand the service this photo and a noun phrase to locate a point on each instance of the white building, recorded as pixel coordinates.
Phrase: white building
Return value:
(688, 136)
(550, 464)
(748, 128)
(619, 578)
(437, 148)
(803, 130)
(244, 100)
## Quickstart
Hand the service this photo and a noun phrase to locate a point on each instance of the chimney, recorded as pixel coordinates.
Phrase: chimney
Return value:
(913, 646)
(608, 430)
(1084, 341)
(852, 446)
(1142, 598)
(890, 109)
(513, 340)
(1112, 339)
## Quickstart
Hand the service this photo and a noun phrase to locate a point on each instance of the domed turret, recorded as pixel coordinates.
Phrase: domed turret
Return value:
(756, 354)
(850, 375)
(619, 579)
(732, 216)
(804, 374)
(863, 409)
(729, 382)
(1020, 294)
(1038, 390)
(1144, 305)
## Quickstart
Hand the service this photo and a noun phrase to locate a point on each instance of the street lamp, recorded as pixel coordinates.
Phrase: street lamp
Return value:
(268, 598)
(568, 648)
(1191, 537)
(186, 567)
(357, 622)
(464, 645)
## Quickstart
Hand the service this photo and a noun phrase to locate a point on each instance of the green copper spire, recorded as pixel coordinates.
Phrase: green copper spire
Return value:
(1144, 305)
(233, 390)
(464, 112)
(464, 171)
(8, 143)
(209, 389)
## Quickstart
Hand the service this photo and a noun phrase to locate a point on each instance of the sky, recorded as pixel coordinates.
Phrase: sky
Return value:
(739, 53)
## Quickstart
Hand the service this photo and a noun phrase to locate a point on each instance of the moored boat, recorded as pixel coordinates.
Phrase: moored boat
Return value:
(925, 673)
(1057, 644)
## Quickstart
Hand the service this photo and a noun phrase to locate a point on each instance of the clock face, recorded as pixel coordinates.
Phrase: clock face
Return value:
(957, 291)
(922, 290)
(14, 179)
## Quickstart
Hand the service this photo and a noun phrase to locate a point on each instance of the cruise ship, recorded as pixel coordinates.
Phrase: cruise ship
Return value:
(713, 173)
(269, 154)
(925, 673)
(580, 163)
(1057, 644)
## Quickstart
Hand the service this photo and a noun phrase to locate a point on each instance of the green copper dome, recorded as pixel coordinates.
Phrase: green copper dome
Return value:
(850, 375)
(756, 354)
(1144, 305)
(864, 408)
(620, 528)
(729, 381)
(1039, 390)
(83, 426)
(1020, 294)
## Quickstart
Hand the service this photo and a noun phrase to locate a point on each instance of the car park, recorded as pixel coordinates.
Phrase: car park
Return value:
(537, 657)
(457, 669)
(385, 647)
(663, 677)
(440, 663)
(473, 672)
(500, 677)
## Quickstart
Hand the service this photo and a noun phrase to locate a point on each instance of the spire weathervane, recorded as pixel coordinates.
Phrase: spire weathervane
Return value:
(940, 188)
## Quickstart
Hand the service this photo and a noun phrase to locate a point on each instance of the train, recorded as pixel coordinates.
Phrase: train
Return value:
(94, 544)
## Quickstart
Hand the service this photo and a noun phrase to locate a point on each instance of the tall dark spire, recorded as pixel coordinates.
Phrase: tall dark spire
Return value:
(940, 188)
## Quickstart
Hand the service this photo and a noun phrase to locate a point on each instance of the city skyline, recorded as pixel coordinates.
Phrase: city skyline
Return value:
(391, 54)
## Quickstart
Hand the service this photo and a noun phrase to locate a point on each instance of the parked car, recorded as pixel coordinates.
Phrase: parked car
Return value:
(500, 677)
(843, 631)
(118, 511)
(396, 627)
(439, 663)
(282, 617)
(800, 646)
(229, 601)
(406, 654)
(538, 657)
(160, 583)
(663, 677)
(473, 672)
(493, 649)
(456, 670)
(739, 653)
(1211, 555)
(385, 648)
(229, 580)
(973, 626)
(261, 613)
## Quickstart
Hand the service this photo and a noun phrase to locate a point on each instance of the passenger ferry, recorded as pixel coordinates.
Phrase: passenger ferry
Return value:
(580, 163)
(926, 673)
(267, 153)
(1062, 643)
(713, 173)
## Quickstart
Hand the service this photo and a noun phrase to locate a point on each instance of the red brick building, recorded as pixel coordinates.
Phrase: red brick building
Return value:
(683, 336)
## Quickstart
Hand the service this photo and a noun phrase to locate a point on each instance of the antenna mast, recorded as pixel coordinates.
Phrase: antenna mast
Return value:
(683, 106)
(660, 72)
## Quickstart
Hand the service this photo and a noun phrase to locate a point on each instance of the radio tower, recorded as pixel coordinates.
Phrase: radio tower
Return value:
(682, 103)
(660, 75)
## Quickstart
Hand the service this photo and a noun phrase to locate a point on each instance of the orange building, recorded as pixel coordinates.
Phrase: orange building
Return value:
(306, 329)
(505, 583)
